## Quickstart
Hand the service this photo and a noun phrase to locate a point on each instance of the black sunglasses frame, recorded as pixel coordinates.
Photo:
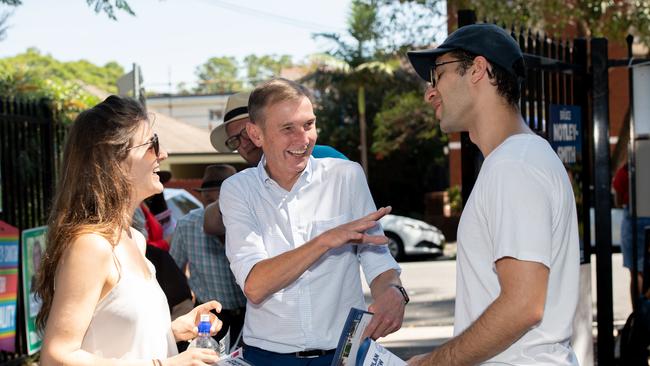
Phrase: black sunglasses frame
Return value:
(233, 142)
(432, 70)
(154, 142)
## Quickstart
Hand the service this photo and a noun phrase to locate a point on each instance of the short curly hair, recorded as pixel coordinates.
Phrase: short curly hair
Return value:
(508, 85)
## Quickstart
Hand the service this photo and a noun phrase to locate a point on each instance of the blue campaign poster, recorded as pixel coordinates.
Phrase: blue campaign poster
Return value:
(565, 132)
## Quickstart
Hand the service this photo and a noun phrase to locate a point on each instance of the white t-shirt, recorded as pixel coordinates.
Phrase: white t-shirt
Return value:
(522, 206)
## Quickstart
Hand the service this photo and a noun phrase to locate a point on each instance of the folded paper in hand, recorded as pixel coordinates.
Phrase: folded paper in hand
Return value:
(352, 350)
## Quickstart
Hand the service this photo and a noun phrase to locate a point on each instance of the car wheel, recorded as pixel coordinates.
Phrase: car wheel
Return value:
(395, 246)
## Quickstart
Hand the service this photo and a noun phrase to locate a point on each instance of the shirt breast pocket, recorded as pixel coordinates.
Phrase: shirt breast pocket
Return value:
(320, 226)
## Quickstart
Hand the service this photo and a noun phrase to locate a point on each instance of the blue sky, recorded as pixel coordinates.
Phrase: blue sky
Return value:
(172, 36)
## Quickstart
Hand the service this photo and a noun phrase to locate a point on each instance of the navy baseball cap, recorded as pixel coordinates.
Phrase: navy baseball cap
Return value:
(487, 40)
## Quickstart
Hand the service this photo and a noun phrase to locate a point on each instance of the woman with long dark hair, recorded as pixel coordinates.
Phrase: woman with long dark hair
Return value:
(101, 302)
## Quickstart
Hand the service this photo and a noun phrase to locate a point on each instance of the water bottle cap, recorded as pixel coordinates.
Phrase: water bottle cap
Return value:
(204, 327)
(205, 318)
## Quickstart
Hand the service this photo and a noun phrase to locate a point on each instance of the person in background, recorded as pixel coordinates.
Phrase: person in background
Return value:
(621, 186)
(205, 256)
(101, 304)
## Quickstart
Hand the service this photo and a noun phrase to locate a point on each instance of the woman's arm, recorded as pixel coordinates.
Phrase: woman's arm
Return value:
(86, 273)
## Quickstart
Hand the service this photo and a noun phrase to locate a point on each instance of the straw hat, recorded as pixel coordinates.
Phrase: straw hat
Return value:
(236, 109)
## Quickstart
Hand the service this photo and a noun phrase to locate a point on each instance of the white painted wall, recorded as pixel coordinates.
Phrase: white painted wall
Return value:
(202, 111)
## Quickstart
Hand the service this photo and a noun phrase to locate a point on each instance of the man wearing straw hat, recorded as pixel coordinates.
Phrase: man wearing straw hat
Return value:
(205, 255)
(518, 246)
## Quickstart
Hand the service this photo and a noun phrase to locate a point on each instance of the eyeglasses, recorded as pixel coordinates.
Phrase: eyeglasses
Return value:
(433, 77)
(234, 141)
(153, 142)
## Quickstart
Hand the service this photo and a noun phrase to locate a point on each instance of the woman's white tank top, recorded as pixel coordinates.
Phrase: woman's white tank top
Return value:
(132, 321)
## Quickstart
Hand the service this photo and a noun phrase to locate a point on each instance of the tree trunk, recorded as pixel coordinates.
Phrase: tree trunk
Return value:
(361, 100)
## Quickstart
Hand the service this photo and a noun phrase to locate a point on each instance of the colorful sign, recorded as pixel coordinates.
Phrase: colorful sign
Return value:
(8, 286)
(33, 244)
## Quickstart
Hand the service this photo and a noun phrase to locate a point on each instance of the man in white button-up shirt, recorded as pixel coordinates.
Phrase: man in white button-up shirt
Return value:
(297, 229)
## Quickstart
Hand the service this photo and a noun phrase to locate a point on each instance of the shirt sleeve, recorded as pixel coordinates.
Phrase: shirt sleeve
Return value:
(244, 242)
(375, 259)
(519, 212)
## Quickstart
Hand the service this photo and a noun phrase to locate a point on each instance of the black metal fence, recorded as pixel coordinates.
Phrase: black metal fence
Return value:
(31, 143)
(30, 147)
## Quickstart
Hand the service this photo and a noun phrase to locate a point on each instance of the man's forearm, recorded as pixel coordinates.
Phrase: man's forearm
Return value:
(273, 274)
(382, 282)
(213, 221)
(270, 275)
(387, 305)
(502, 323)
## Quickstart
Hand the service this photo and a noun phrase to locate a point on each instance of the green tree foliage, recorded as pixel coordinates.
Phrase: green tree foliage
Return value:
(4, 18)
(362, 76)
(218, 75)
(597, 18)
(108, 7)
(359, 44)
(405, 124)
(34, 75)
(399, 173)
(409, 24)
(45, 67)
(613, 19)
(261, 68)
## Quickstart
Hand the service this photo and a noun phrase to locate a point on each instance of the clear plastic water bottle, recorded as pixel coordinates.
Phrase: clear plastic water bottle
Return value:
(204, 340)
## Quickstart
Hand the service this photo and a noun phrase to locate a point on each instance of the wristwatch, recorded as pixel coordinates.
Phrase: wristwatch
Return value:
(403, 292)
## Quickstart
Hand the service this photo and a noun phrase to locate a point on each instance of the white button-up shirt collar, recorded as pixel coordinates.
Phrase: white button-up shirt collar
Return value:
(268, 181)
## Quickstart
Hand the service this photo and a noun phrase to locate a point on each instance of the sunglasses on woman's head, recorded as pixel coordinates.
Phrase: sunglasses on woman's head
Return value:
(153, 142)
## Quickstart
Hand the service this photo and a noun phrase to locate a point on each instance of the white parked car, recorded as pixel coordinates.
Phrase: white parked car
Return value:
(409, 236)
(180, 201)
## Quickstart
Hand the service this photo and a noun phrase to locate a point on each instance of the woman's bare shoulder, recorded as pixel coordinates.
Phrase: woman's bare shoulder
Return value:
(91, 248)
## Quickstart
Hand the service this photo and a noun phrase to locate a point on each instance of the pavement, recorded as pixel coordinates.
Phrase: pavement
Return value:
(429, 317)
(428, 321)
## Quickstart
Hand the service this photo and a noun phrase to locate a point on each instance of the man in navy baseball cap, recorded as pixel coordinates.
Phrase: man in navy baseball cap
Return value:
(518, 246)
(487, 40)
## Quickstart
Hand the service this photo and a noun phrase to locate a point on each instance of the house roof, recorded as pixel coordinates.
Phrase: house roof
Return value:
(179, 137)
(176, 137)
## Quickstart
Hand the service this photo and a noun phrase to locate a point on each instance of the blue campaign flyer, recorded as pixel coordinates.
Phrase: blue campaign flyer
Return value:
(355, 324)
(372, 353)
